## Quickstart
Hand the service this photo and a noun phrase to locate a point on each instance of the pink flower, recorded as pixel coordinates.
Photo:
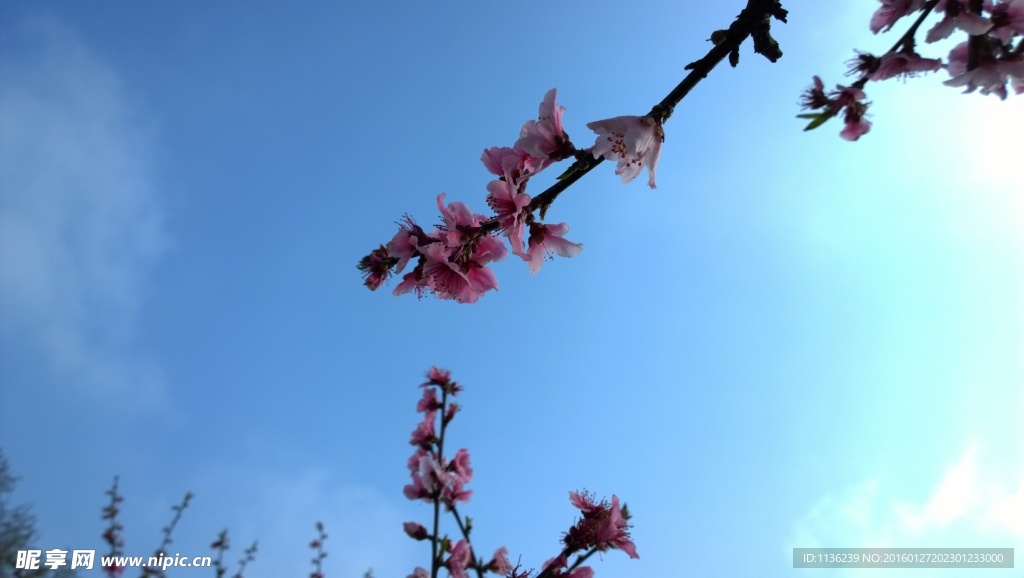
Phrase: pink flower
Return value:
(631, 141)
(544, 139)
(556, 563)
(585, 502)
(417, 490)
(515, 166)
(449, 414)
(376, 267)
(814, 97)
(413, 463)
(614, 532)
(849, 100)
(459, 559)
(426, 476)
(457, 267)
(845, 99)
(957, 16)
(419, 573)
(493, 156)
(442, 378)
(452, 490)
(423, 436)
(465, 279)
(546, 239)
(453, 258)
(406, 243)
(1007, 19)
(511, 212)
(438, 377)
(415, 530)
(460, 465)
(459, 222)
(902, 64)
(429, 401)
(413, 281)
(602, 526)
(855, 129)
(891, 11)
(499, 563)
(430, 479)
(990, 76)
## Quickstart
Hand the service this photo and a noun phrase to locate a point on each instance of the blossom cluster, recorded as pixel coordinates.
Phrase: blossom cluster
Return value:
(441, 482)
(991, 58)
(452, 260)
(848, 100)
(602, 526)
(433, 477)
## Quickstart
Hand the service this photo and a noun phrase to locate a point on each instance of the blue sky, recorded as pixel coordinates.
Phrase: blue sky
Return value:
(794, 341)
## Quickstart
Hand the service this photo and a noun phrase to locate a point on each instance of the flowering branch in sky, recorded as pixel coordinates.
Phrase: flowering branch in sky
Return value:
(441, 482)
(115, 562)
(991, 57)
(452, 259)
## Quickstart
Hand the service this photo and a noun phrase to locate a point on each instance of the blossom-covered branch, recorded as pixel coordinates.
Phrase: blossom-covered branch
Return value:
(452, 259)
(991, 57)
(441, 482)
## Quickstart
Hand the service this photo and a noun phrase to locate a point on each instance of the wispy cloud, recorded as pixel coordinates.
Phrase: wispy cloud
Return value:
(975, 503)
(964, 496)
(80, 212)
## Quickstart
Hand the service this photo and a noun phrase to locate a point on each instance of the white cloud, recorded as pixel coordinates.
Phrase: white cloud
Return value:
(953, 499)
(965, 496)
(80, 217)
(974, 504)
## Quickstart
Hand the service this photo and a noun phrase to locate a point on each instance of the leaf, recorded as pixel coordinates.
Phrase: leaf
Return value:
(818, 119)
